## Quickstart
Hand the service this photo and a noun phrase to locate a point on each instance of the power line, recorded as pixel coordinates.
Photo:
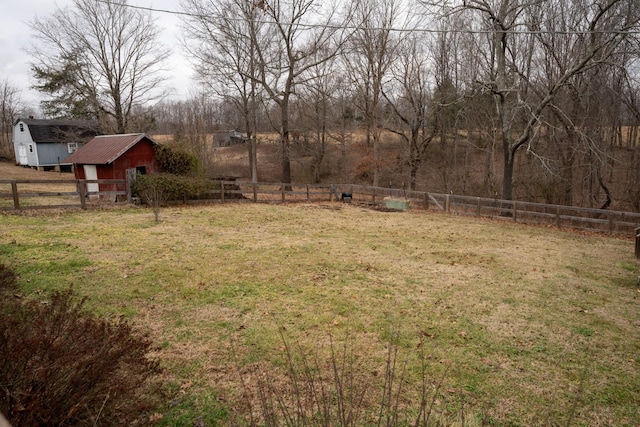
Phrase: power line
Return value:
(150, 9)
(391, 29)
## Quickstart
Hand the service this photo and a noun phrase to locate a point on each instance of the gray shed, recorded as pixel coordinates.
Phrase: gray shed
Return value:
(44, 144)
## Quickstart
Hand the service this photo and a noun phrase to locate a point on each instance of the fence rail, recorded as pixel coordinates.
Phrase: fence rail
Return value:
(59, 193)
(39, 194)
(560, 216)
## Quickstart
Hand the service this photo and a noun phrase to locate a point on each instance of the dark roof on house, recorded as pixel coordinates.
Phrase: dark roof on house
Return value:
(105, 149)
(54, 130)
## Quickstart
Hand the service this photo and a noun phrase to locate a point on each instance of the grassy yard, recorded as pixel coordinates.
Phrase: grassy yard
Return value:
(527, 325)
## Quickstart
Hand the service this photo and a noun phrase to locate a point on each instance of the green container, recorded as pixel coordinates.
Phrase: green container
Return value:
(397, 204)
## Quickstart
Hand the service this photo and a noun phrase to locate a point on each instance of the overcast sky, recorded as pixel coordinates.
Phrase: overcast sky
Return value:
(15, 36)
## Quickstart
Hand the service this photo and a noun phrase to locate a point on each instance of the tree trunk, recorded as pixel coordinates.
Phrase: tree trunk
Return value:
(376, 138)
(120, 125)
(284, 142)
(507, 176)
(413, 173)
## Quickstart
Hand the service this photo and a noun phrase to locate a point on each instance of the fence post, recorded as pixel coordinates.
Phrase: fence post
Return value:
(611, 223)
(283, 192)
(255, 192)
(478, 207)
(425, 201)
(447, 203)
(82, 191)
(131, 180)
(308, 198)
(222, 191)
(16, 198)
(637, 243)
(515, 210)
(373, 195)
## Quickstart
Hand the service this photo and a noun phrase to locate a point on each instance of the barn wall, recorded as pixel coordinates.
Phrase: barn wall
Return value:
(105, 172)
(78, 171)
(141, 154)
(52, 153)
(22, 138)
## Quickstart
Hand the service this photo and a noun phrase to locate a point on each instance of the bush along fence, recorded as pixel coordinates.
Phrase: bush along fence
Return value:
(30, 194)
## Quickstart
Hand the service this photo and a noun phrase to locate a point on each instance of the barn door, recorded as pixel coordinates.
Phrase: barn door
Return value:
(22, 155)
(91, 173)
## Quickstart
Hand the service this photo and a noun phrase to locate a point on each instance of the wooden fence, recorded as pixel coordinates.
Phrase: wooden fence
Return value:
(572, 217)
(599, 220)
(60, 193)
(30, 194)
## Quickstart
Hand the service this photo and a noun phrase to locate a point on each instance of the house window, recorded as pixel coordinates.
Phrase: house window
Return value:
(31, 148)
(21, 127)
(72, 146)
(142, 170)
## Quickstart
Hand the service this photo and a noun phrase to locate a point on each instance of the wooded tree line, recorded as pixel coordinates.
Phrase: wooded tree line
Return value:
(550, 87)
(9, 109)
(507, 98)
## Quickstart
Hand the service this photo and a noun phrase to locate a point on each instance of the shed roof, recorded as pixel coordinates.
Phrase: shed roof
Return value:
(105, 149)
(54, 130)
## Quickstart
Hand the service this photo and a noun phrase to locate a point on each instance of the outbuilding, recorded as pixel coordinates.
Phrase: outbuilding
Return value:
(44, 144)
(109, 157)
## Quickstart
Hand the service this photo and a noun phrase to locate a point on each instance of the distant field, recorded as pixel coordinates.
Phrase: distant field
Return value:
(514, 317)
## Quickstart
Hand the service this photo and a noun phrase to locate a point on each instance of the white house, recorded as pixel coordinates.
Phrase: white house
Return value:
(44, 144)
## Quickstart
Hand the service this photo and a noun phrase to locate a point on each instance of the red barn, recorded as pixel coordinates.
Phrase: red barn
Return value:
(109, 157)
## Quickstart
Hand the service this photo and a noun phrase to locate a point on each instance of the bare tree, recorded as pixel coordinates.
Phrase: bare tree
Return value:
(101, 57)
(220, 35)
(10, 106)
(246, 47)
(154, 195)
(410, 96)
(342, 116)
(370, 55)
(631, 98)
(515, 34)
(301, 30)
(313, 112)
(196, 125)
(454, 60)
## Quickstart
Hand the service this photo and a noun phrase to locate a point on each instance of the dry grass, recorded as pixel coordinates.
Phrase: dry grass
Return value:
(517, 313)
(10, 171)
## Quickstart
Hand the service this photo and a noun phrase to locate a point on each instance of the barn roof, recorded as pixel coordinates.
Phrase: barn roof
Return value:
(105, 149)
(54, 130)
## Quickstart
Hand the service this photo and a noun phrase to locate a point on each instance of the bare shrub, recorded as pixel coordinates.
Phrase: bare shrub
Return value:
(62, 366)
(341, 392)
(155, 189)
